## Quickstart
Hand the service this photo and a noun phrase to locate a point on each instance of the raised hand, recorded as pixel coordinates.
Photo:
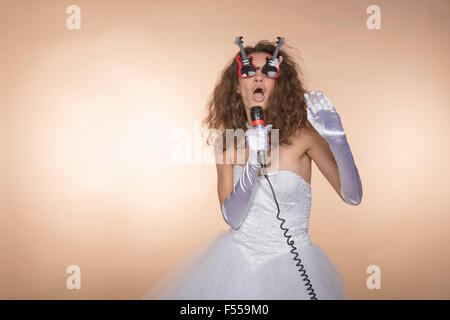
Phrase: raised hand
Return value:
(323, 116)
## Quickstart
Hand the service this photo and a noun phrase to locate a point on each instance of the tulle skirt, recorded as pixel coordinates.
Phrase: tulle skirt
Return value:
(216, 269)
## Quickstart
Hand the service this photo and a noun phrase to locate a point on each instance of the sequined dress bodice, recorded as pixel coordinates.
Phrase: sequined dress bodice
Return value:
(260, 237)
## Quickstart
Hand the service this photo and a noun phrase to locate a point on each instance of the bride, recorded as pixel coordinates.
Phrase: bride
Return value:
(267, 253)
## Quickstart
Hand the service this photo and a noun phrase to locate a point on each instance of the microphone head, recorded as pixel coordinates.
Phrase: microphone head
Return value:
(257, 115)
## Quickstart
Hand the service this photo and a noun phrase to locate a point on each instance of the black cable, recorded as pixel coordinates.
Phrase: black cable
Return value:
(291, 243)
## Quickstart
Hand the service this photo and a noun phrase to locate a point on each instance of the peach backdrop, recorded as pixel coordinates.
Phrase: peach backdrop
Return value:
(89, 118)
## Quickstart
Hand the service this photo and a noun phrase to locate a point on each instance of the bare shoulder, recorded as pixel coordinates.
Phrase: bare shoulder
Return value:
(220, 156)
(303, 139)
(224, 171)
(319, 151)
(311, 139)
(224, 176)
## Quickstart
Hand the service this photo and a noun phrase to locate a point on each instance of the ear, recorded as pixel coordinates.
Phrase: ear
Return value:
(280, 58)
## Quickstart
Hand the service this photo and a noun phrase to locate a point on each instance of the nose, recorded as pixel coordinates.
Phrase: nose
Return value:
(259, 76)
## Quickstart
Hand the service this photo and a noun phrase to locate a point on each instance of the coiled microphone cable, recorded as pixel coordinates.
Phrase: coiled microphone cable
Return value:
(308, 284)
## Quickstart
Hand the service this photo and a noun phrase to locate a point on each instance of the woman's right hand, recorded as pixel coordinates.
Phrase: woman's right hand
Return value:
(257, 139)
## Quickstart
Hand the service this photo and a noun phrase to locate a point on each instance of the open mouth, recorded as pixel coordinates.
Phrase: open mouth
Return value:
(258, 94)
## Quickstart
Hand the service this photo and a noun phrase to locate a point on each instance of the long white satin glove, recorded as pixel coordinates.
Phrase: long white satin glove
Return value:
(327, 122)
(234, 208)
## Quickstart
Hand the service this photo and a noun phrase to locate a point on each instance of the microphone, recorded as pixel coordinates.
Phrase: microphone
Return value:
(257, 115)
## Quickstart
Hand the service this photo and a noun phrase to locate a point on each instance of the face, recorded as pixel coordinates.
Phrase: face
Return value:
(256, 90)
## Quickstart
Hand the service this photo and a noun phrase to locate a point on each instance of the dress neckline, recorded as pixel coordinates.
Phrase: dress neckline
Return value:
(278, 171)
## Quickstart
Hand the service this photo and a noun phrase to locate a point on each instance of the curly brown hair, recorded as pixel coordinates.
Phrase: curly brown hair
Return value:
(286, 106)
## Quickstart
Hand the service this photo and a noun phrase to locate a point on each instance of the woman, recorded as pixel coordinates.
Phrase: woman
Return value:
(267, 253)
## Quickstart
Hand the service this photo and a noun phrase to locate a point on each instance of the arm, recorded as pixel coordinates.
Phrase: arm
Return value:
(234, 207)
(332, 143)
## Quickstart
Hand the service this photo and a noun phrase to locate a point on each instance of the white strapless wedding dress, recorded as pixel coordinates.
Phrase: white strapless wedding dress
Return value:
(255, 261)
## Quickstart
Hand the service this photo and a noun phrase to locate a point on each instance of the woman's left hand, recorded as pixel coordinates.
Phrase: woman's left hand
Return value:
(323, 116)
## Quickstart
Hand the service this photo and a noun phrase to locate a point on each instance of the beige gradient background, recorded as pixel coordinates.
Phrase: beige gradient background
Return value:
(88, 117)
